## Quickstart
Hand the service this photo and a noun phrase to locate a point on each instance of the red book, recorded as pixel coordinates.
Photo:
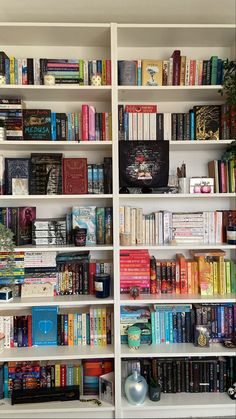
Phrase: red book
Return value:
(92, 271)
(222, 177)
(29, 331)
(176, 67)
(141, 108)
(74, 176)
(104, 126)
(63, 375)
(85, 122)
(192, 73)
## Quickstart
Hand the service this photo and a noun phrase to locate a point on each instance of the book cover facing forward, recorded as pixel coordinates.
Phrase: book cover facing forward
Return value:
(44, 326)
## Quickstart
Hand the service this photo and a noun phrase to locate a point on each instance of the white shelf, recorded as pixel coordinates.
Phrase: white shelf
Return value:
(182, 405)
(63, 93)
(176, 299)
(167, 35)
(48, 353)
(52, 197)
(54, 145)
(176, 350)
(178, 196)
(169, 93)
(63, 249)
(180, 246)
(54, 407)
(199, 145)
(60, 301)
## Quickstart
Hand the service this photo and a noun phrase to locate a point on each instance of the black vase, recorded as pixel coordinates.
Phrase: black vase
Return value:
(154, 393)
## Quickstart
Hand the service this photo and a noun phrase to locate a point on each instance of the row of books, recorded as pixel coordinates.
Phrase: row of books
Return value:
(66, 71)
(45, 125)
(163, 227)
(34, 374)
(205, 122)
(224, 174)
(178, 70)
(181, 324)
(93, 327)
(24, 176)
(206, 273)
(188, 375)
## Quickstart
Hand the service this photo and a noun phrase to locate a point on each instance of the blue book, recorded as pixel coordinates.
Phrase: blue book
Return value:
(44, 326)
(85, 217)
(192, 124)
(171, 327)
(175, 330)
(53, 126)
(153, 323)
(179, 328)
(7, 71)
(158, 331)
(75, 329)
(126, 125)
(162, 327)
(65, 328)
(5, 384)
(99, 67)
(167, 326)
(219, 335)
(87, 328)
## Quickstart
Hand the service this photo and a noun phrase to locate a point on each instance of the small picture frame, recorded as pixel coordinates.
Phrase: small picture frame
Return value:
(202, 335)
(20, 186)
(106, 388)
(201, 185)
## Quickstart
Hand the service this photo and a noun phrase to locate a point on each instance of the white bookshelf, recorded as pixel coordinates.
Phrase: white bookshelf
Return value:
(118, 41)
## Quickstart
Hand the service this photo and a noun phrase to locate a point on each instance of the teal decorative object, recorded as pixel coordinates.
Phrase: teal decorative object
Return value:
(136, 388)
(134, 336)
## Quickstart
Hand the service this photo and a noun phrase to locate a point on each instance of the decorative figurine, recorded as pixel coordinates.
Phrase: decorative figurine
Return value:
(134, 292)
(96, 80)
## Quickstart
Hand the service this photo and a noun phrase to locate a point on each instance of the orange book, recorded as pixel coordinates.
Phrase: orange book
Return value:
(189, 264)
(70, 329)
(182, 273)
(205, 276)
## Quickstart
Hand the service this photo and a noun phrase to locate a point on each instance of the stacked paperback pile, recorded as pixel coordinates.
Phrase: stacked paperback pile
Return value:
(139, 316)
(92, 369)
(12, 268)
(40, 269)
(51, 231)
(66, 71)
(11, 115)
(224, 174)
(134, 270)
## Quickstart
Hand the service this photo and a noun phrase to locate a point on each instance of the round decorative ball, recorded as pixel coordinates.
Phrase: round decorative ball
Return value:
(136, 388)
(230, 391)
(2, 79)
(96, 80)
(234, 386)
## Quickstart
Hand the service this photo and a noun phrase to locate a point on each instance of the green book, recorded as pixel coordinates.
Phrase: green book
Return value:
(214, 60)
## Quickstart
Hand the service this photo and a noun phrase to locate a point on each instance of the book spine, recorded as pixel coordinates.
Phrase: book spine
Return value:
(85, 122)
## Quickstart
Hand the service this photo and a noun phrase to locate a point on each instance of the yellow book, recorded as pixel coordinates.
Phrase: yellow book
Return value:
(227, 276)
(57, 375)
(70, 329)
(77, 375)
(195, 278)
(215, 277)
(104, 73)
(182, 70)
(205, 276)
(221, 276)
(152, 73)
(104, 327)
(12, 70)
(189, 276)
(99, 323)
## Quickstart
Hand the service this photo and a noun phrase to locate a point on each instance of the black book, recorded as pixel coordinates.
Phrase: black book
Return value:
(208, 73)
(3, 58)
(15, 168)
(207, 122)
(183, 329)
(160, 126)
(178, 376)
(120, 122)
(196, 376)
(173, 126)
(107, 175)
(184, 365)
(188, 337)
(164, 376)
(46, 169)
(58, 126)
(30, 70)
(63, 118)
(186, 134)
(169, 386)
(180, 127)
(37, 124)
(43, 69)
(204, 72)
(179, 328)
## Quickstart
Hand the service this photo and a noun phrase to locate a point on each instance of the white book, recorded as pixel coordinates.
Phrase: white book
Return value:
(211, 227)
(94, 67)
(2, 167)
(205, 228)
(147, 229)
(197, 73)
(139, 225)
(219, 226)
(140, 126)
(19, 61)
(127, 226)
(86, 73)
(130, 125)
(122, 219)
(167, 216)
(146, 124)
(79, 323)
(7, 331)
(156, 222)
(133, 226)
(36, 71)
(150, 229)
(167, 126)
(187, 72)
(153, 126)
(135, 126)
(160, 228)
(170, 72)
(144, 230)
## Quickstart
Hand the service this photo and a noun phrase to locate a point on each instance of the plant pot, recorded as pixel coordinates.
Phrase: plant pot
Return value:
(155, 393)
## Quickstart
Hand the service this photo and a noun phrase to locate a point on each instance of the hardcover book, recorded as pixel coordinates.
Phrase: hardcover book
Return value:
(144, 163)
(85, 217)
(21, 224)
(46, 174)
(75, 176)
(151, 73)
(15, 168)
(37, 124)
(44, 326)
(207, 122)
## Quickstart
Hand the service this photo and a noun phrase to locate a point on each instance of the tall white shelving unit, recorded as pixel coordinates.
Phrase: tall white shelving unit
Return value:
(118, 41)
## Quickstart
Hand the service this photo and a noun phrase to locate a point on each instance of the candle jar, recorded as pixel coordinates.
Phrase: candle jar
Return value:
(80, 236)
(134, 337)
(49, 80)
(231, 235)
(102, 285)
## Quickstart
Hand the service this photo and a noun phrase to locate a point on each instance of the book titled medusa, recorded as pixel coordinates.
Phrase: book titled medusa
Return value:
(144, 164)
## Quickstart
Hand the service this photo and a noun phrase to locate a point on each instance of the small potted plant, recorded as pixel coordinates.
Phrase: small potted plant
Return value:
(154, 389)
(7, 245)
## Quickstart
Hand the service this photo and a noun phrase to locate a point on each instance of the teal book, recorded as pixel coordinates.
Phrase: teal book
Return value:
(44, 326)
(85, 217)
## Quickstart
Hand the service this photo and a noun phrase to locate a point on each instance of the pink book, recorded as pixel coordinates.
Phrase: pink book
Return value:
(85, 122)
(91, 121)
